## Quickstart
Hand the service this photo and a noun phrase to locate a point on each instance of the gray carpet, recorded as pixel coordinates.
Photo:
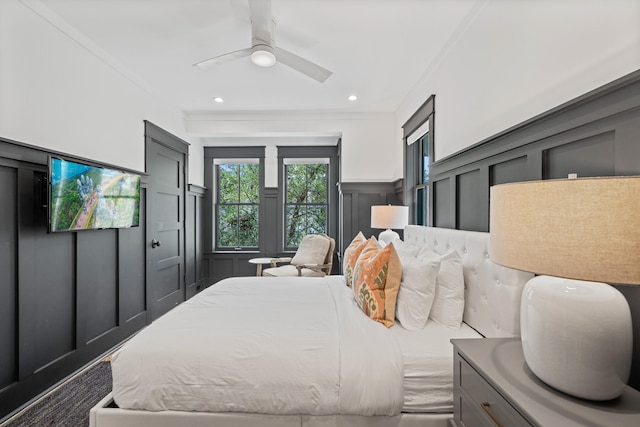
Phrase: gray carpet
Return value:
(69, 404)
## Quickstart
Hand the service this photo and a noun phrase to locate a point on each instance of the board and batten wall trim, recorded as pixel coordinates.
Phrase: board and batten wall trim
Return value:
(197, 270)
(596, 134)
(356, 199)
(68, 298)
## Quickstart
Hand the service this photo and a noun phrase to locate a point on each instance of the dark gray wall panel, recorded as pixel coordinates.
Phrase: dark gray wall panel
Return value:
(363, 208)
(442, 215)
(472, 209)
(190, 230)
(270, 243)
(55, 300)
(132, 291)
(222, 267)
(202, 269)
(50, 310)
(514, 170)
(356, 199)
(195, 271)
(8, 277)
(593, 156)
(97, 281)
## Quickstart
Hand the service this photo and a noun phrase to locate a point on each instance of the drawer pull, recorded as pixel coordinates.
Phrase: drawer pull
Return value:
(486, 407)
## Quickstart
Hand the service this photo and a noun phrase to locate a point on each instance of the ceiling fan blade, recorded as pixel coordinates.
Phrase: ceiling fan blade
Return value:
(223, 59)
(300, 64)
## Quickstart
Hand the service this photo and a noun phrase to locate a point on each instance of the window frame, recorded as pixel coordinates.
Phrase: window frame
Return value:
(238, 204)
(309, 152)
(413, 159)
(211, 155)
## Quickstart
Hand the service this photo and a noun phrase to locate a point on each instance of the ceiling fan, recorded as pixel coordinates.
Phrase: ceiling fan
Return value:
(263, 50)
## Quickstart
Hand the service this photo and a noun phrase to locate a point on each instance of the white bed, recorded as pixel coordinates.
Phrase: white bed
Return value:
(408, 382)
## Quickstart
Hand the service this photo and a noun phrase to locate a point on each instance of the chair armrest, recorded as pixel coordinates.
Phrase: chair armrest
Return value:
(314, 267)
(276, 261)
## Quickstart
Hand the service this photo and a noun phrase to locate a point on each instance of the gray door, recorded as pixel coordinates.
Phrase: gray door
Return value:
(165, 227)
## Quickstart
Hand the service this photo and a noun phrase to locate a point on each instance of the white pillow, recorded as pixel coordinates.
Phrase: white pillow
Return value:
(448, 305)
(405, 249)
(312, 250)
(426, 251)
(417, 291)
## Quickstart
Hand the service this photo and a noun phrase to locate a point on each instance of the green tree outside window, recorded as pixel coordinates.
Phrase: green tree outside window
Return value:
(306, 202)
(237, 207)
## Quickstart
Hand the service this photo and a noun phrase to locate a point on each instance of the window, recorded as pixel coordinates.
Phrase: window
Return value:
(418, 134)
(306, 198)
(424, 141)
(248, 211)
(237, 203)
(422, 188)
(307, 193)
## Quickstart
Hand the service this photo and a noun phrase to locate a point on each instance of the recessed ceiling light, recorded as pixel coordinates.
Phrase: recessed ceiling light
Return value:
(218, 99)
(352, 98)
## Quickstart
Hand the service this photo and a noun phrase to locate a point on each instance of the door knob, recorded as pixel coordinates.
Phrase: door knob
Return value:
(155, 243)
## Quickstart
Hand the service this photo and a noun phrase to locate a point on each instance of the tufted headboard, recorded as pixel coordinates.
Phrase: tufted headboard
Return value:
(492, 292)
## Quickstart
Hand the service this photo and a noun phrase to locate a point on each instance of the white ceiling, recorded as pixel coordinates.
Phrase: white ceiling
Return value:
(377, 49)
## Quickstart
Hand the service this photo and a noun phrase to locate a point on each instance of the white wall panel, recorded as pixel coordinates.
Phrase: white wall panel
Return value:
(370, 149)
(56, 94)
(516, 59)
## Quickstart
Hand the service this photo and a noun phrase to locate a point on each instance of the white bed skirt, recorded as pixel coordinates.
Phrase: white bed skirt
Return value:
(102, 415)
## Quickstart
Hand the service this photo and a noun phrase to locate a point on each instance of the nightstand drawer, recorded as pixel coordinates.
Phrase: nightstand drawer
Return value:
(485, 402)
(471, 415)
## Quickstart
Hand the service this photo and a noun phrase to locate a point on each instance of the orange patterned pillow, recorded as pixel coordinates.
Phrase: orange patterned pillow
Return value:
(351, 255)
(376, 280)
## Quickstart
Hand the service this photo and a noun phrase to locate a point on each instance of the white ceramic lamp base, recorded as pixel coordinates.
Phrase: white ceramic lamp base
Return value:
(577, 336)
(388, 236)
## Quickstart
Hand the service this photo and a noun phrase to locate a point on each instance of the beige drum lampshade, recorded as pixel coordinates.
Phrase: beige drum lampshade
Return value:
(585, 228)
(389, 217)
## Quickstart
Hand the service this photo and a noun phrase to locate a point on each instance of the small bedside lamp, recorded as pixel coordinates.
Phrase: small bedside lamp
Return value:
(576, 334)
(389, 217)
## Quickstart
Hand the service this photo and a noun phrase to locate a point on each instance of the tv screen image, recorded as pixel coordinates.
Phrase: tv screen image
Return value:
(84, 196)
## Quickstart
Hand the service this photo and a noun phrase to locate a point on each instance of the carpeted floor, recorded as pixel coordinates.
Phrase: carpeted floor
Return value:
(69, 404)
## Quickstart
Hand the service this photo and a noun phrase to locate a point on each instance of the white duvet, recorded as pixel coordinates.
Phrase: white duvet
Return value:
(263, 345)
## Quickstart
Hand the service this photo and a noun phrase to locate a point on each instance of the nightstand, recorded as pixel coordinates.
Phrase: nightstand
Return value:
(492, 386)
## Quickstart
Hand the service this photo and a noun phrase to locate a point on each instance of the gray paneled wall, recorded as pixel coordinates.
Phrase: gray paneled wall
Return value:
(195, 265)
(8, 280)
(597, 134)
(67, 298)
(356, 201)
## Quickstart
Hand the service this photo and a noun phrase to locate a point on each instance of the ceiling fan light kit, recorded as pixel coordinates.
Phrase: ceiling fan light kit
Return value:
(263, 55)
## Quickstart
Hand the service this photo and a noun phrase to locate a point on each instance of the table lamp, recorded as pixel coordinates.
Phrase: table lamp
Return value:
(388, 217)
(576, 331)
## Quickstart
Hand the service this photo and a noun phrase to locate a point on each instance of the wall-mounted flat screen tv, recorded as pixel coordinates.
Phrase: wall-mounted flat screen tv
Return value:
(87, 197)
